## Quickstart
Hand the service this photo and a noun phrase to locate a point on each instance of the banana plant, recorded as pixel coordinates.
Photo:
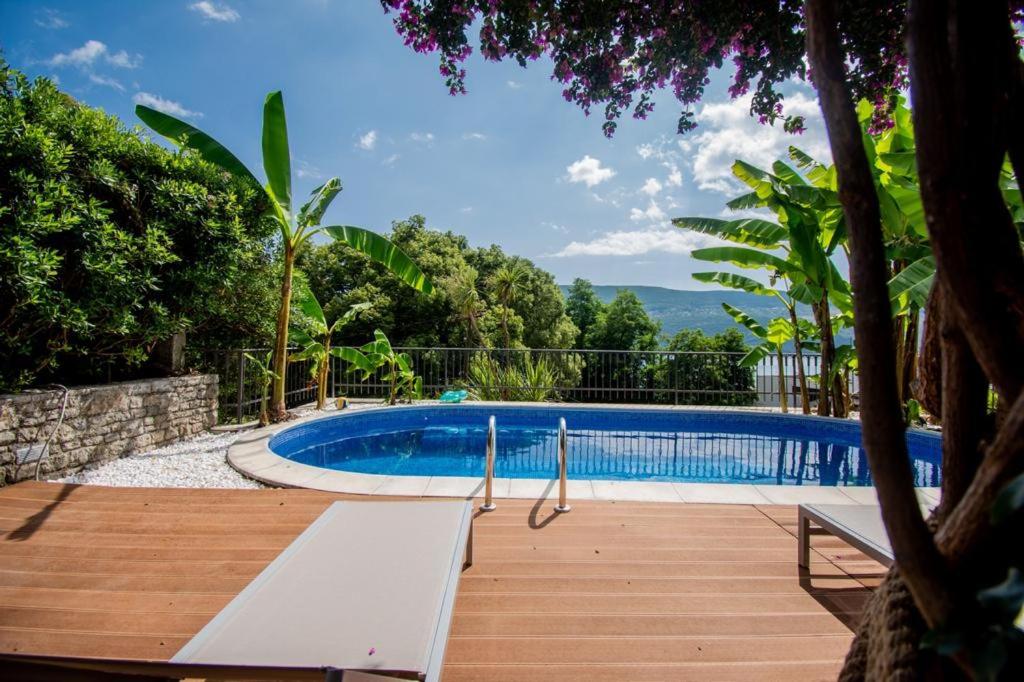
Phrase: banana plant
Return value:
(398, 371)
(797, 249)
(296, 227)
(802, 333)
(264, 376)
(774, 336)
(315, 345)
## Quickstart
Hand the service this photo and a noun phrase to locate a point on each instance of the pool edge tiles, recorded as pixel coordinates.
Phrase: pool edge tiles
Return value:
(252, 456)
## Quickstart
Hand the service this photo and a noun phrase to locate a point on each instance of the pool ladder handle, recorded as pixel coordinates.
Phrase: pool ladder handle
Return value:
(488, 504)
(563, 468)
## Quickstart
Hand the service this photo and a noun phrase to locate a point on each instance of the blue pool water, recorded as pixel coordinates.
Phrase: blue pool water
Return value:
(603, 443)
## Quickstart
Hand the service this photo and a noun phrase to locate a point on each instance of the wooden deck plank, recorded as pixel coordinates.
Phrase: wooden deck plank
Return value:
(612, 591)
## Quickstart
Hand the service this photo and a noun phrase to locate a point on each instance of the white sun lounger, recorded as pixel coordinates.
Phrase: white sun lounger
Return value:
(369, 587)
(859, 525)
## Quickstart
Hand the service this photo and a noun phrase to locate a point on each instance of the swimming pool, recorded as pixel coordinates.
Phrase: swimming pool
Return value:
(615, 444)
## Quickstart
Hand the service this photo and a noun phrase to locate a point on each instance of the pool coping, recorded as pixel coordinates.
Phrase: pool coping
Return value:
(251, 455)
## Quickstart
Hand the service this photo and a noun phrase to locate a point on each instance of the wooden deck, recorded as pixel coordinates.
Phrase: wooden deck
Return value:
(610, 591)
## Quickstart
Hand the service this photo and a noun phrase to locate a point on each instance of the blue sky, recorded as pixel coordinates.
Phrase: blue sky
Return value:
(510, 163)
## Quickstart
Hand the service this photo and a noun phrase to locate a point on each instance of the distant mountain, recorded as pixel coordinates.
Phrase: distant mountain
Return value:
(677, 309)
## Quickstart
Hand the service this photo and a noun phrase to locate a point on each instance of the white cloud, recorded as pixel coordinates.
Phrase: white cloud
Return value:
(306, 170)
(479, 137)
(367, 141)
(88, 54)
(728, 132)
(466, 209)
(589, 170)
(165, 105)
(390, 161)
(424, 138)
(555, 226)
(215, 12)
(653, 213)
(123, 60)
(82, 56)
(51, 19)
(515, 85)
(662, 239)
(675, 177)
(107, 81)
(651, 187)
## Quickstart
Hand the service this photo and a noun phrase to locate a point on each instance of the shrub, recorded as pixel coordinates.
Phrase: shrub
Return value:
(110, 243)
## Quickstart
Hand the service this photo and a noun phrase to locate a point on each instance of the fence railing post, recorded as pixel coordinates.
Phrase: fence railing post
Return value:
(241, 386)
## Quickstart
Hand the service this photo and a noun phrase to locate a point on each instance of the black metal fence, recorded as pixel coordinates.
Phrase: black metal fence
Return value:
(653, 377)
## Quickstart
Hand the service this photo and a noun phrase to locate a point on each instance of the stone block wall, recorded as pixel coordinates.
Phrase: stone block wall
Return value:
(103, 422)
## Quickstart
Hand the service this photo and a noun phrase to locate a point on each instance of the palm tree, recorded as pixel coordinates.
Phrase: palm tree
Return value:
(507, 282)
(466, 303)
(295, 228)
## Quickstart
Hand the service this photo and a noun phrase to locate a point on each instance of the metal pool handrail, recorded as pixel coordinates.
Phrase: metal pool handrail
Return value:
(563, 467)
(488, 504)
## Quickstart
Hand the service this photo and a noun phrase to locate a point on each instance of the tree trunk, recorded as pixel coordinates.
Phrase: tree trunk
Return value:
(920, 563)
(822, 316)
(928, 386)
(962, 77)
(321, 377)
(783, 389)
(805, 401)
(909, 364)
(964, 391)
(278, 411)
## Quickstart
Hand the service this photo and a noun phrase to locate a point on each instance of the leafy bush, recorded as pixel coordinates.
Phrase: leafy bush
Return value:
(110, 243)
(709, 369)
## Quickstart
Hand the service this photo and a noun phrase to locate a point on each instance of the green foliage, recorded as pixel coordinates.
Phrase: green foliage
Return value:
(525, 378)
(314, 338)
(397, 367)
(109, 243)
(709, 369)
(583, 307)
(465, 309)
(624, 325)
(264, 377)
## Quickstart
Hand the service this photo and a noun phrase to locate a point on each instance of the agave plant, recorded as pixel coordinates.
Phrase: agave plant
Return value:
(315, 345)
(398, 371)
(489, 381)
(296, 227)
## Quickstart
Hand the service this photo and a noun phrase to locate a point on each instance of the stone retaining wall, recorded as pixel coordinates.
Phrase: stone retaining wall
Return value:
(103, 422)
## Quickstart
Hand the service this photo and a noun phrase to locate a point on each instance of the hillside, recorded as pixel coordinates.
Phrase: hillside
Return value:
(677, 309)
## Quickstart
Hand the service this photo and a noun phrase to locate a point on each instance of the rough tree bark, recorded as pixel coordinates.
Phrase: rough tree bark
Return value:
(961, 88)
(278, 410)
(921, 565)
(964, 393)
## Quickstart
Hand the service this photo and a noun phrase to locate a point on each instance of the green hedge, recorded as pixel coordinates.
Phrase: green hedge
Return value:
(110, 243)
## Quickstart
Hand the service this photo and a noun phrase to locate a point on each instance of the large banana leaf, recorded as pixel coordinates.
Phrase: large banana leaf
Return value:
(382, 251)
(780, 330)
(350, 314)
(744, 258)
(752, 176)
(749, 231)
(358, 360)
(787, 174)
(747, 321)
(311, 307)
(185, 135)
(320, 198)
(913, 282)
(756, 355)
(276, 157)
(745, 202)
(816, 172)
(733, 281)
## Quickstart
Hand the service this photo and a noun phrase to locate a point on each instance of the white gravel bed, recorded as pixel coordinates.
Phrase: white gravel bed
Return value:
(198, 462)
